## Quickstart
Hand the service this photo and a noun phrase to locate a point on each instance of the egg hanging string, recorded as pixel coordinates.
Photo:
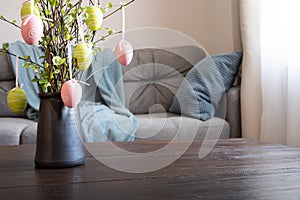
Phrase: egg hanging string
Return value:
(81, 35)
(123, 21)
(32, 6)
(17, 71)
(70, 60)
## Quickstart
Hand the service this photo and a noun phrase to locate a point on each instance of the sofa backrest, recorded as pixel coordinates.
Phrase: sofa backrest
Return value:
(154, 76)
(7, 82)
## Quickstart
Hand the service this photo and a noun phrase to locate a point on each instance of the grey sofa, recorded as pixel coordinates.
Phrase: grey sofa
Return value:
(149, 90)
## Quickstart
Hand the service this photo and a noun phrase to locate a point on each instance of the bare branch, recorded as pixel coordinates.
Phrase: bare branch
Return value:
(104, 37)
(7, 21)
(110, 14)
(21, 58)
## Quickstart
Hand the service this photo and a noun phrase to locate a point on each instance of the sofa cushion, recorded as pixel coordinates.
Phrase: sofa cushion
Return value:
(166, 126)
(154, 76)
(233, 111)
(29, 134)
(6, 72)
(12, 129)
(201, 93)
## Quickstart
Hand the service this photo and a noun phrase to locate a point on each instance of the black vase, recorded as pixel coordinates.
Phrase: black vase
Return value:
(59, 134)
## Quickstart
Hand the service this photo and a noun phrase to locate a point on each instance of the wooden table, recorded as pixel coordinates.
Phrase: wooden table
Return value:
(235, 169)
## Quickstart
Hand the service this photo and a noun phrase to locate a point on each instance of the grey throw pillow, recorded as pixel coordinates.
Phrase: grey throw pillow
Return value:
(205, 84)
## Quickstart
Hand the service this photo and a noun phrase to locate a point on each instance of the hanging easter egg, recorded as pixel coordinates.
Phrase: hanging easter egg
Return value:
(26, 10)
(17, 100)
(95, 18)
(71, 93)
(84, 55)
(32, 29)
(124, 52)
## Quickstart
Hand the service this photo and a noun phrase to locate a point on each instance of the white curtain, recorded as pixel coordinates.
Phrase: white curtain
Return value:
(271, 70)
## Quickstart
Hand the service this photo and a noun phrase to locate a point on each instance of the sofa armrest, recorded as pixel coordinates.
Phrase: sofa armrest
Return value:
(233, 112)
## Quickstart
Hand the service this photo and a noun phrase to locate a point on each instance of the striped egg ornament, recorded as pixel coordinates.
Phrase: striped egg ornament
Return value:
(17, 100)
(84, 55)
(95, 18)
(124, 52)
(26, 10)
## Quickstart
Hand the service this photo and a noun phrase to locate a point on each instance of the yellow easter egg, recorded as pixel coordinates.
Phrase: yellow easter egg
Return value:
(17, 100)
(95, 18)
(26, 10)
(84, 55)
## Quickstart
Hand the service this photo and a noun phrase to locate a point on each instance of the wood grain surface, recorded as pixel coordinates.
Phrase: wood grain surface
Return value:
(235, 169)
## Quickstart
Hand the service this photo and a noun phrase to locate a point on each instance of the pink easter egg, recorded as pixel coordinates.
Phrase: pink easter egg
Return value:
(32, 29)
(71, 93)
(124, 52)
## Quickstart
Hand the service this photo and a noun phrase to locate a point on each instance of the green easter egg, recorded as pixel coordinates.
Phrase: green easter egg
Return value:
(26, 10)
(95, 18)
(17, 100)
(84, 55)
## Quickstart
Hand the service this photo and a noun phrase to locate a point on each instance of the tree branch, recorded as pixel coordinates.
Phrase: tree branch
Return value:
(26, 60)
(110, 14)
(21, 58)
(7, 21)
(104, 37)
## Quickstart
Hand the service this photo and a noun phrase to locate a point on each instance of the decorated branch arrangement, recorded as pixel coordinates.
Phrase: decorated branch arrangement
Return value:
(67, 32)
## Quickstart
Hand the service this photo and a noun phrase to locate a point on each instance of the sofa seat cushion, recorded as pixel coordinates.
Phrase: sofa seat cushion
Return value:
(29, 134)
(167, 126)
(12, 129)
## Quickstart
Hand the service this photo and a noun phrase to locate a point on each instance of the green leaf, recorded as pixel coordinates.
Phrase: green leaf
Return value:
(14, 22)
(110, 32)
(52, 2)
(96, 50)
(56, 71)
(44, 81)
(5, 46)
(102, 10)
(57, 60)
(26, 65)
(34, 80)
(42, 57)
(45, 84)
(48, 12)
(109, 5)
(46, 65)
(26, 57)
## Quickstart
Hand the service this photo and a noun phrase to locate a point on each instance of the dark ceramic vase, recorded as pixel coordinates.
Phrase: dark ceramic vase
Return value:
(59, 134)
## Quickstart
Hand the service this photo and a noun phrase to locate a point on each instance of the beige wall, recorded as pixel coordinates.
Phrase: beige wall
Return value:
(10, 9)
(212, 23)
